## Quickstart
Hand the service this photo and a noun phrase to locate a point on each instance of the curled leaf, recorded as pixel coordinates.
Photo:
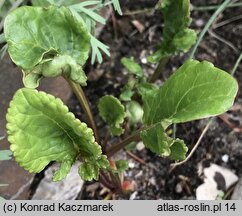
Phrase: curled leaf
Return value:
(47, 42)
(41, 129)
(112, 112)
(156, 139)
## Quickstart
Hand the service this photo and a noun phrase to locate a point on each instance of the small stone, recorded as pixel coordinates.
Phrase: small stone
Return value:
(225, 158)
(139, 174)
(133, 195)
(199, 23)
(153, 181)
(140, 146)
(178, 188)
(131, 165)
(144, 60)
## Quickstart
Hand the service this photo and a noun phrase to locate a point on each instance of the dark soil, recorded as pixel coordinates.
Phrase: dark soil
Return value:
(154, 181)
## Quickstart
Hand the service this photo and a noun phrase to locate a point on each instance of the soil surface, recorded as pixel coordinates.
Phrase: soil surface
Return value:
(222, 45)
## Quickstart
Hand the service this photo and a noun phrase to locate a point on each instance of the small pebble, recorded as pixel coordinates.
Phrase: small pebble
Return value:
(140, 173)
(199, 23)
(178, 188)
(144, 60)
(133, 195)
(225, 158)
(153, 181)
(140, 146)
(131, 165)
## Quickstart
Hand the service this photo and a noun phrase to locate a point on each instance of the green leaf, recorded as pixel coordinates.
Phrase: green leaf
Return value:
(2, 38)
(156, 139)
(41, 129)
(5, 155)
(89, 12)
(90, 170)
(132, 66)
(134, 112)
(45, 3)
(117, 7)
(122, 165)
(126, 94)
(131, 146)
(112, 112)
(177, 37)
(47, 42)
(196, 90)
(97, 47)
(178, 150)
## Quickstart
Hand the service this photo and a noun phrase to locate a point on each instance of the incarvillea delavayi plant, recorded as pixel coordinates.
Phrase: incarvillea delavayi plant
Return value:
(54, 41)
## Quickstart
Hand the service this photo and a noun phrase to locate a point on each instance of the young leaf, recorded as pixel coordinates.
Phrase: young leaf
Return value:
(196, 90)
(47, 39)
(90, 170)
(5, 155)
(112, 112)
(41, 129)
(178, 150)
(117, 7)
(158, 142)
(45, 3)
(122, 165)
(126, 94)
(132, 66)
(134, 112)
(177, 36)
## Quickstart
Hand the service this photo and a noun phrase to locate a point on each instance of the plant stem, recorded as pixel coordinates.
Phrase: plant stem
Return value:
(220, 9)
(214, 7)
(76, 88)
(114, 149)
(236, 65)
(159, 69)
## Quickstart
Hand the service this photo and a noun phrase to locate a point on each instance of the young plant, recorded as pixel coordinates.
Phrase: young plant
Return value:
(53, 41)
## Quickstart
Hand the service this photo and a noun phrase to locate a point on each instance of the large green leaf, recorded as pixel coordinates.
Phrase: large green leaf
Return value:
(47, 42)
(41, 129)
(177, 37)
(112, 112)
(196, 90)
